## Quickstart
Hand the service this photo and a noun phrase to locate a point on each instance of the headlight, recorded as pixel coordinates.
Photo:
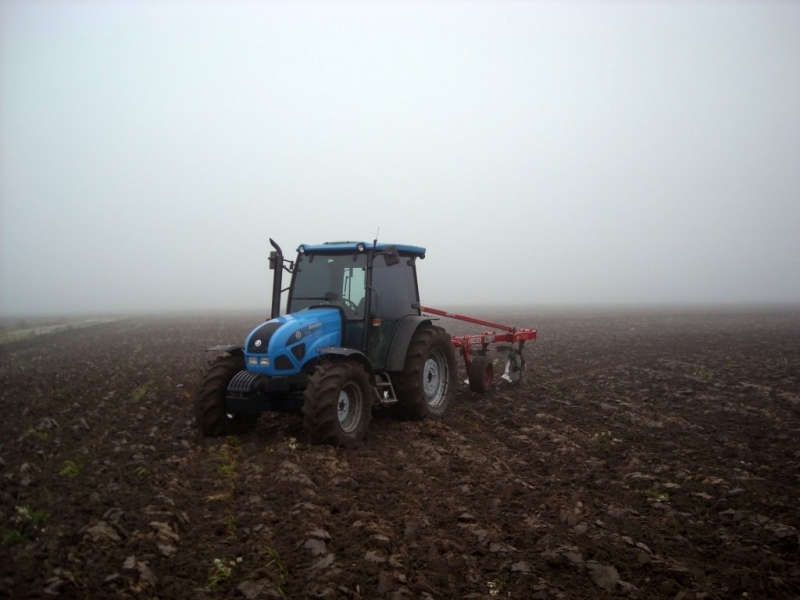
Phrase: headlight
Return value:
(252, 361)
(264, 361)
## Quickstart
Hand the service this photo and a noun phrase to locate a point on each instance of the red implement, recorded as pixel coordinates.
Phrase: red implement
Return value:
(479, 344)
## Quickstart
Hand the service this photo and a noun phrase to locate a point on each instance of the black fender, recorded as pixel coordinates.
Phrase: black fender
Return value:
(349, 354)
(232, 350)
(396, 358)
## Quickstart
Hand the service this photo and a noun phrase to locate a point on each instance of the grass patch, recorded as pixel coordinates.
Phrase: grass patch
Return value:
(701, 373)
(140, 392)
(227, 469)
(221, 572)
(602, 441)
(230, 526)
(25, 521)
(274, 560)
(10, 536)
(142, 472)
(72, 468)
(42, 436)
(657, 496)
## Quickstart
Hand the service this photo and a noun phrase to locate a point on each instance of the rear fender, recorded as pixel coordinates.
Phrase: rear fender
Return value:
(396, 358)
(232, 350)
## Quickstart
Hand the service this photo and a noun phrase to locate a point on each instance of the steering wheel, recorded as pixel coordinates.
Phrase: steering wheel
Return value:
(350, 304)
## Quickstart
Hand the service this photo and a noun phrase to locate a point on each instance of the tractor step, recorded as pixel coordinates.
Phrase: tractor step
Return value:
(385, 390)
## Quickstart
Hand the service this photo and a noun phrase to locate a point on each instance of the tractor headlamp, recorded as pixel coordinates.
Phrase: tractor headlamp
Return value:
(361, 247)
(252, 361)
(264, 361)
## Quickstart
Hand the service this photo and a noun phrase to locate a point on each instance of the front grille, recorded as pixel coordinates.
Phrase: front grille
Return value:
(244, 381)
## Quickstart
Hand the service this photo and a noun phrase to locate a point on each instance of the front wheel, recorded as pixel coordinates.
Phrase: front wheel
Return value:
(209, 404)
(337, 403)
(427, 384)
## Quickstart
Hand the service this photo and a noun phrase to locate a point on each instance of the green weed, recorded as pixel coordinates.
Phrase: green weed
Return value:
(275, 560)
(229, 462)
(10, 536)
(139, 392)
(228, 471)
(40, 435)
(701, 373)
(602, 441)
(142, 472)
(26, 520)
(658, 496)
(496, 587)
(215, 497)
(221, 572)
(71, 468)
(670, 521)
(230, 526)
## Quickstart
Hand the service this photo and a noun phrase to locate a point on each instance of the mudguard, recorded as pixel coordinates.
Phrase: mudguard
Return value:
(232, 349)
(350, 354)
(396, 358)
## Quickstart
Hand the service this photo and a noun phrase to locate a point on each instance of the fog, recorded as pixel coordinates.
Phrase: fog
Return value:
(545, 153)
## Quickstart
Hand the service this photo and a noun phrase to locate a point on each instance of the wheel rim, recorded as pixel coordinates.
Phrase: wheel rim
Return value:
(487, 375)
(348, 407)
(434, 379)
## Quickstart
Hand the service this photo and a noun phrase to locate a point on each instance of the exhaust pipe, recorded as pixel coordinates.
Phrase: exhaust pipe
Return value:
(276, 264)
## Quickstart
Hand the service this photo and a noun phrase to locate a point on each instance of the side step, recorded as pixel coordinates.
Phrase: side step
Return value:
(384, 390)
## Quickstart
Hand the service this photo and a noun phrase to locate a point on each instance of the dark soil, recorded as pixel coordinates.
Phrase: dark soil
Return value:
(646, 455)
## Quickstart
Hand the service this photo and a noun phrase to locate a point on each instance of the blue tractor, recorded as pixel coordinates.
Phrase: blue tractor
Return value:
(353, 338)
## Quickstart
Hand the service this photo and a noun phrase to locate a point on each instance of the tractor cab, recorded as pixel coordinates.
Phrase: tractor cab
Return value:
(374, 287)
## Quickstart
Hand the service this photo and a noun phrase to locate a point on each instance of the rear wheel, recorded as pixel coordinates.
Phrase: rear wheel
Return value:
(338, 403)
(481, 372)
(209, 403)
(427, 384)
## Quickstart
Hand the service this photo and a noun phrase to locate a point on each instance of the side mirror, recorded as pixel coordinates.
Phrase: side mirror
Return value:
(391, 256)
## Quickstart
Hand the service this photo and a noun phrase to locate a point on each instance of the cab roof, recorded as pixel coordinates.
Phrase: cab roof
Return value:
(336, 247)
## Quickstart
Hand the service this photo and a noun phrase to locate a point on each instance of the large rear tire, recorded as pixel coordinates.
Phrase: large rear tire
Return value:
(209, 403)
(337, 403)
(427, 384)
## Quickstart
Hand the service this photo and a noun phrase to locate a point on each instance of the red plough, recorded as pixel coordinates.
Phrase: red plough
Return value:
(480, 367)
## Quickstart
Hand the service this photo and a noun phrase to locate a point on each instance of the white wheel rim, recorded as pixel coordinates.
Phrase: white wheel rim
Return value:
(433, 379)
(347, 408)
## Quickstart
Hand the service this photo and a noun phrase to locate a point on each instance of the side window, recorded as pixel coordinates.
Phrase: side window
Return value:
(395, 288)
(353, 288)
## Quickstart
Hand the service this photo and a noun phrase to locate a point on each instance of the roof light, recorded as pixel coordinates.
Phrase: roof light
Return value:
(361, 247)
(301, 249)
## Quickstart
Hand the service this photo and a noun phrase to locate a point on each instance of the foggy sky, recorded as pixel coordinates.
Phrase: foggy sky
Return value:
(543, 152)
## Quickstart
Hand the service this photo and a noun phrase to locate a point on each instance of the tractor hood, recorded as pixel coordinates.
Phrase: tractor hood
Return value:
(281, 346)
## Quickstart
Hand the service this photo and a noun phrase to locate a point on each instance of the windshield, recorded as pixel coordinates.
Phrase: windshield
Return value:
(336, 279)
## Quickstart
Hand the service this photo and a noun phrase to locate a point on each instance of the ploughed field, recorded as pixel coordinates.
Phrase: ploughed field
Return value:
(647, 454)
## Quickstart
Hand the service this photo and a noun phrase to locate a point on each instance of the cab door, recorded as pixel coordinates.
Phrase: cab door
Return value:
(395, 296)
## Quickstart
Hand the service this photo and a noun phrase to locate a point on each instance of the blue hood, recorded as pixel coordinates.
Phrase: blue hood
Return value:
(283, 345)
